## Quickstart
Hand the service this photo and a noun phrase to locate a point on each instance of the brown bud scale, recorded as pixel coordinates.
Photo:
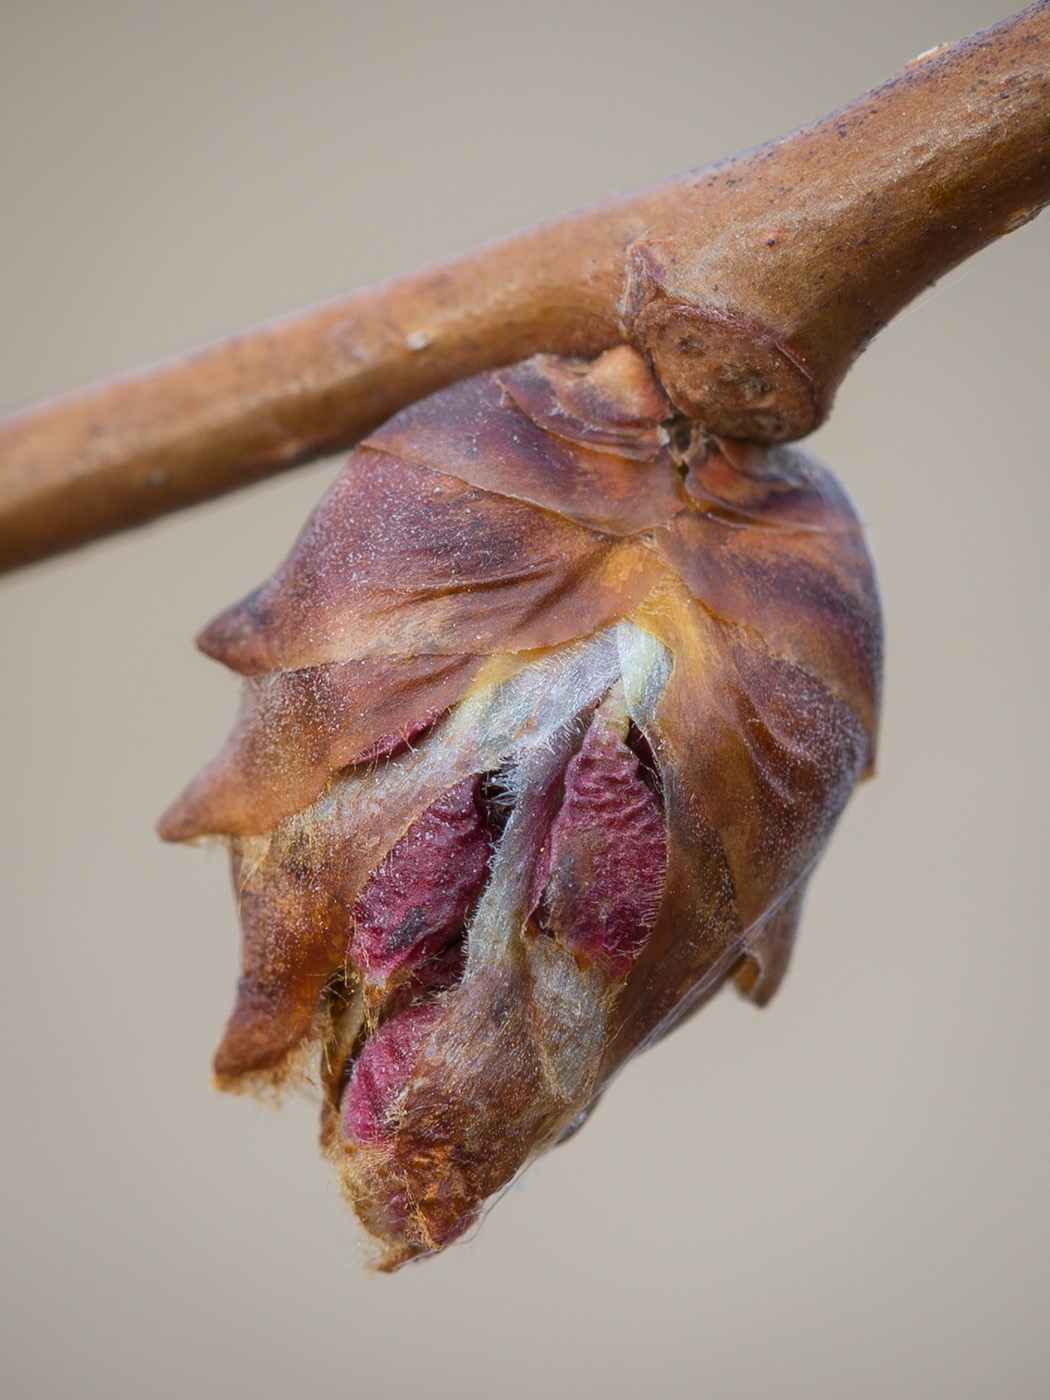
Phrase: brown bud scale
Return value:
(547, 718)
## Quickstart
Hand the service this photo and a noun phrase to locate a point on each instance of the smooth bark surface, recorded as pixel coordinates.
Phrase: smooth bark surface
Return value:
(752, 284)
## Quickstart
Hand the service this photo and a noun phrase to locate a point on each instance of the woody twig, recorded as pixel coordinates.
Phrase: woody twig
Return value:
(752, 285)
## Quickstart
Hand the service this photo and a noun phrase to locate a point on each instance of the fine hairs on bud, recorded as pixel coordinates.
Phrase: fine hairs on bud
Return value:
(546, 719)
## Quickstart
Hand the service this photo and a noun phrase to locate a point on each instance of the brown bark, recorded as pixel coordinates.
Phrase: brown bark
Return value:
(752, 284)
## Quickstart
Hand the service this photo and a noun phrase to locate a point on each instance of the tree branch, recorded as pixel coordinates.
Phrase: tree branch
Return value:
(752, 284)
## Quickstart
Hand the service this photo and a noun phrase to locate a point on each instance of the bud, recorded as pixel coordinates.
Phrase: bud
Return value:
(546, 720)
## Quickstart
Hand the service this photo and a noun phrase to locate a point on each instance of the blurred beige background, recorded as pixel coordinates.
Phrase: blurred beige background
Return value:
(842, 1196)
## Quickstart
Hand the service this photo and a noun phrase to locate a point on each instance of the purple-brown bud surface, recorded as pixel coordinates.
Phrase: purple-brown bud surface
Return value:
(546, 720)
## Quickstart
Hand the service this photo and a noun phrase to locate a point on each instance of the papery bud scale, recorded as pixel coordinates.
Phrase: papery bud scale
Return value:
(546, 720)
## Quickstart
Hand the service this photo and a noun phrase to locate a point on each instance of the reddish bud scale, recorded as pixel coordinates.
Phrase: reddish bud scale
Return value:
(548, 717)
(383, 1070)
(423, 891)
(601, 872)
